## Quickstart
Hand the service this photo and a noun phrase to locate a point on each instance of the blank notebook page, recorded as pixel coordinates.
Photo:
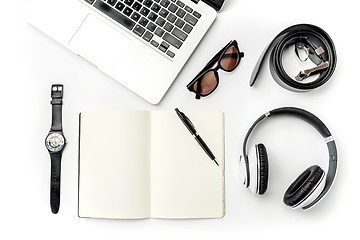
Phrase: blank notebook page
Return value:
(114, 176)
(185, 182)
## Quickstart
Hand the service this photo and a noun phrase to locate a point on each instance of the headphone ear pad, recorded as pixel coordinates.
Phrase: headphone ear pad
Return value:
(263, 168)
(303, 186)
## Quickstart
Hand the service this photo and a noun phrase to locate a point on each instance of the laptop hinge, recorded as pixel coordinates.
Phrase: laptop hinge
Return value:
(215, 4)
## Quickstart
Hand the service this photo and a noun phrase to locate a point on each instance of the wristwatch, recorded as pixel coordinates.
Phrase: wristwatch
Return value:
(55, 143)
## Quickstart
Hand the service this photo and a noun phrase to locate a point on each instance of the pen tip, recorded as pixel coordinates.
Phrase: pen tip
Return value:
(216, 162)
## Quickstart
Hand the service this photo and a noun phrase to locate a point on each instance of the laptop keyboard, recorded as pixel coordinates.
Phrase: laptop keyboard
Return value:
(165, 24)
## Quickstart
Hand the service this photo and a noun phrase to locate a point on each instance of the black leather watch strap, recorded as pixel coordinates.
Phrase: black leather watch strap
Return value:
(55, 181)
(56, 151)
(56, 102)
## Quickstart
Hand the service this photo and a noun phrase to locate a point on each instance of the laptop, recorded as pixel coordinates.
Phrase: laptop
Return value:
(143, 44)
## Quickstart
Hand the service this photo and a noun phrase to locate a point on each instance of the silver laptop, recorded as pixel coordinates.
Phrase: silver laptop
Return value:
(143, 44)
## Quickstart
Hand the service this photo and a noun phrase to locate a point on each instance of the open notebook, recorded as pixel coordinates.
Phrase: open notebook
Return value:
(142, 164)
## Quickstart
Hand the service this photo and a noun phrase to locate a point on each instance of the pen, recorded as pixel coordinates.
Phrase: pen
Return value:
(193, 132)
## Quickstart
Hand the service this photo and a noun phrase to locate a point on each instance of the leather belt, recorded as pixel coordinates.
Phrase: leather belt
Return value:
(315, 42)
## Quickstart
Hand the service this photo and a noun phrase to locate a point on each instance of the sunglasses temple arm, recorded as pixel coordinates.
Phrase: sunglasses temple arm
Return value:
(234, 55)
(198, 89)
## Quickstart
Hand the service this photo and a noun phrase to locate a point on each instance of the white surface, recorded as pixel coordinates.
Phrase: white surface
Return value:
(30, 62)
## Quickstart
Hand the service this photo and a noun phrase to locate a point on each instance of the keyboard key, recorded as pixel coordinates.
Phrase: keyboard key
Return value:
(190, 19)
(152, 16)
(159, 32)
(188, 9)
(168, 27)
(179, 34)
(171, 18)
(129, 2)
(170, 54)
(155, 7)
(157, 1)
(187, 28)
(164, 13)
(163, 49)
(165, 45)
(128, 11)
(196, 14)
(137, 6)
(111, 2)
(148, 3)
(139, 30)
(144, 11)
(179, 23)
(180, 13)
(180, 4)
(160, 21)
(172, 8)
(154, 43)
(172, 40)
(120, 6)
(143, 22)
(165, 3)
(109, 11)
(148, 36)
(135, 16)
(151, 26)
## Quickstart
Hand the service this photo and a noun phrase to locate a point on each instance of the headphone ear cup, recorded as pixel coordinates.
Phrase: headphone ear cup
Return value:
(263, 168)
(303, 186)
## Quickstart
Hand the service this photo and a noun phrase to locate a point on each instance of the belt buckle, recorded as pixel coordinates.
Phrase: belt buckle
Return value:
(308, 72)
(314, 53)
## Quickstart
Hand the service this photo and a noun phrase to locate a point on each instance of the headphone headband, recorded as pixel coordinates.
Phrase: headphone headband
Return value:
(318, 125)
(304, 115)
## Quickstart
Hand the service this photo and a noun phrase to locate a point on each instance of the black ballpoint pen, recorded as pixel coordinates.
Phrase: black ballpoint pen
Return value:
(193, 131)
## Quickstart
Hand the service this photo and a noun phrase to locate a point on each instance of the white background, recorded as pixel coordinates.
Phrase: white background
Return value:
(30, 62)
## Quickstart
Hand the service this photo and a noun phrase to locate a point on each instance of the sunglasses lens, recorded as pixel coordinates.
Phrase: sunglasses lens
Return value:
(230, 59)
(208, 83)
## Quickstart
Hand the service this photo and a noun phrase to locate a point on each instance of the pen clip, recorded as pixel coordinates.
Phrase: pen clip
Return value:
(188, 120)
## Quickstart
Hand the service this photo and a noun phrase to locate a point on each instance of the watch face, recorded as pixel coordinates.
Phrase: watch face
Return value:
(55, 142)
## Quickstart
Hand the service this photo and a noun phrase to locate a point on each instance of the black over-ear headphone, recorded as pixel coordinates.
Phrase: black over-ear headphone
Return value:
(311, 186)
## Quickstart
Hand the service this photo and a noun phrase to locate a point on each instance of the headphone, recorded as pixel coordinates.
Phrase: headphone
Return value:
(311, 186)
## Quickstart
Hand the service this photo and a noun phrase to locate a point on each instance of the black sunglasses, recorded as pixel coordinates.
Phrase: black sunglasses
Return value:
(208, 79)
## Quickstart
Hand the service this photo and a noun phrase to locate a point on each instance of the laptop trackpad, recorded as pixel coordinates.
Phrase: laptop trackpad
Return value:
(100, 43)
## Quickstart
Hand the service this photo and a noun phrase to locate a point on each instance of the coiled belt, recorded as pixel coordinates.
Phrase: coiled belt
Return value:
(320, 50)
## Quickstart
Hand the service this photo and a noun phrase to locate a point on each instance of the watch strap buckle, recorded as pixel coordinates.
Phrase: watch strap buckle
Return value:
(57, 94)
(57, 90)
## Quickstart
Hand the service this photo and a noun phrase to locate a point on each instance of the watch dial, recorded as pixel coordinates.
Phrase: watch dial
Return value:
(55, 142)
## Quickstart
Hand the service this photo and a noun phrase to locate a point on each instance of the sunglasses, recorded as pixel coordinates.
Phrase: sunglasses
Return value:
(208, 79)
